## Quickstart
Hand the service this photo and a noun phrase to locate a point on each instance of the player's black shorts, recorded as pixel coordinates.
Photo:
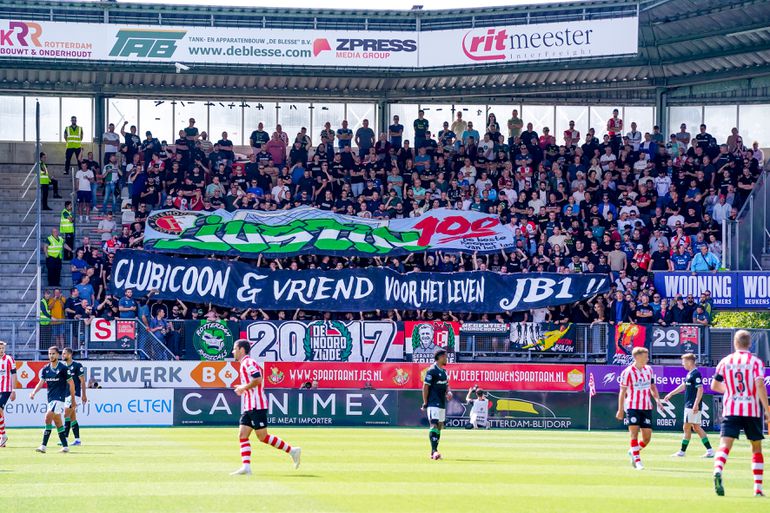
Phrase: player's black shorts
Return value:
(255, 419)
(752, 426)
(641, 418)
(4, 396)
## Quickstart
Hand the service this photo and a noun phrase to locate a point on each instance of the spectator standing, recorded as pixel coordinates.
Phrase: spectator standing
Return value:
(364, 138)
(344, 136)
(86, 290)
(111, 142)
(191, 134)
(54, 251)
(73, 137)
(164, 331)
(700, 316)
(680, 259)
(84, 178)
(258, 138)
(127, 305)
(396, 133)
(132, 141)
(421, 126)
(46, 181)
(515, 124)
(683, 136)
(615, 131)
(67, 229)
(458, 126)
(111, 175)
(277, 150)
(618, 310)
(704, 261)
(78, 266)
(205, 144)
(106, 227)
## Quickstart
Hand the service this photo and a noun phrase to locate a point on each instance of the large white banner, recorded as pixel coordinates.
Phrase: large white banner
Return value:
(291, 47)
(535, 42)
(215, 45)
(117, 407)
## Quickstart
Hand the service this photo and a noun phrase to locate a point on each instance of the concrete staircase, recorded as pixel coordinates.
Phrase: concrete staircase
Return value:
(18, 218)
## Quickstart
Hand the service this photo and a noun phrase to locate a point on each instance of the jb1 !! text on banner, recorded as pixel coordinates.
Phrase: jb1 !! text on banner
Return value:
(309, 231)
(239, 285)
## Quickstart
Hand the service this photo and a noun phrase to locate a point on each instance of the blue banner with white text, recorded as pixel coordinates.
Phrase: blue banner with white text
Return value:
(240, 285)
(728, 290)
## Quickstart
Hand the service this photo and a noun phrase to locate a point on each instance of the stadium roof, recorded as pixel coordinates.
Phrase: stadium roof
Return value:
(682, 43)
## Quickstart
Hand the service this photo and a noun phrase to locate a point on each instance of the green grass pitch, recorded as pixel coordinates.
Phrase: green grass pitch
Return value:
(365, 470)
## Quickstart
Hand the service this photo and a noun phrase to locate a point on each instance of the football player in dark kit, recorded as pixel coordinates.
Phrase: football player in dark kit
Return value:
(57, 377)
(693, 393)
(70, 408)
(435, 393)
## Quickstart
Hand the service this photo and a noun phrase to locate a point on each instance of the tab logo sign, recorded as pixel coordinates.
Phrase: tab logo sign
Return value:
(159, 44)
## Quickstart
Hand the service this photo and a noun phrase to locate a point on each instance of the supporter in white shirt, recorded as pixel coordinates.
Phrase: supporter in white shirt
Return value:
(662, 184)
(538, 314)
(627, 209)
(675, 218)
(634, 137)
(641, 164)
(469, 171)
(721, 210)
(84, 177)
(604, 160)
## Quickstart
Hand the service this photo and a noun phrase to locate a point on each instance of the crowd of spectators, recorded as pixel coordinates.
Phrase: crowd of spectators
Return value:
(620, 202)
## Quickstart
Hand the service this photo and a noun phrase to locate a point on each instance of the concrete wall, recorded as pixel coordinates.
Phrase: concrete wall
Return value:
(24, 152)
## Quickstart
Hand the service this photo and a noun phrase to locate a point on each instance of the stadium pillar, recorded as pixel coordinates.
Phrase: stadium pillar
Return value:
(382, 115)
(661, 111)
(100, 120)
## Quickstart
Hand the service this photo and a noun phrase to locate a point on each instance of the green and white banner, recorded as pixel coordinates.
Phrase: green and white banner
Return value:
(307, 230)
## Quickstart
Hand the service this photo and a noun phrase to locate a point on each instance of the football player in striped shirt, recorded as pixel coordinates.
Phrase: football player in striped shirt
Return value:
(7, 385)
(637, 389)
(693, 394)
(254, 409)
(740, 376)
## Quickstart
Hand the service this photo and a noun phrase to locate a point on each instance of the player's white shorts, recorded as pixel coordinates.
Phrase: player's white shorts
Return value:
(55, 406)
(478, 420)
(692, 418)
(436, 414)
(68, 402)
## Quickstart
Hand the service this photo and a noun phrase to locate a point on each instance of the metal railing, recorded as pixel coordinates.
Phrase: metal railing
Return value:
(590, 342)
(748, 237)
(30, 339)
(590, 346)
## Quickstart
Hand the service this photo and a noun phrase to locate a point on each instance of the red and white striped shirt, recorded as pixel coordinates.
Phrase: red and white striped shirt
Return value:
(639, 383)
(740, 371)
(7, 373)
(252, 399)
